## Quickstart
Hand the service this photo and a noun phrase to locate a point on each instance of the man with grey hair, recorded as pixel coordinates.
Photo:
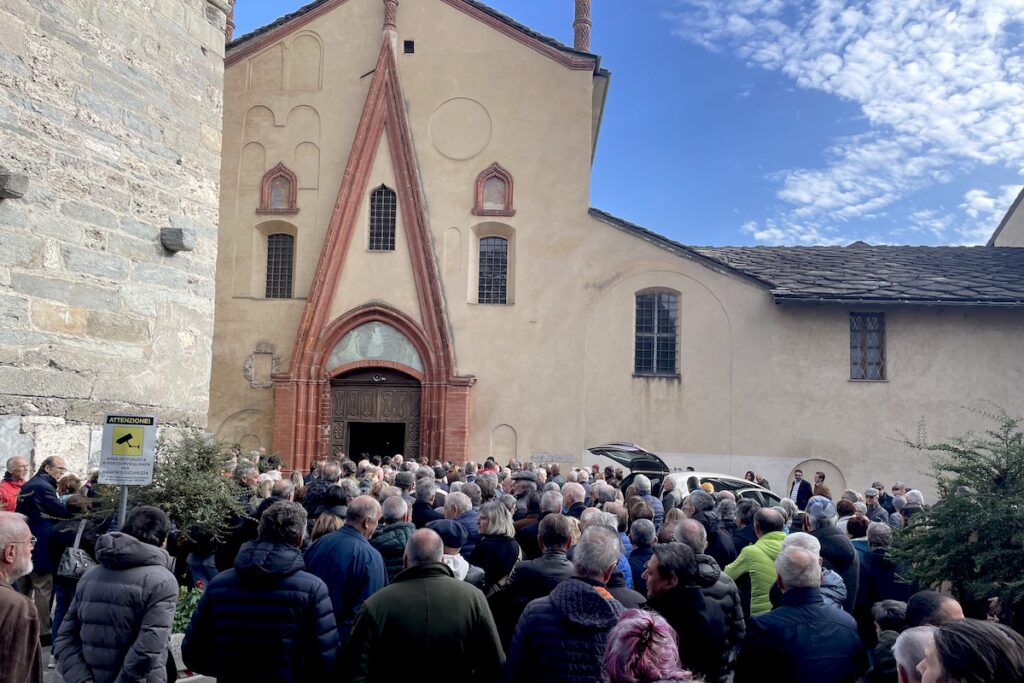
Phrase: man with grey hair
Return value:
(723, 591)
(837, 553)
(423, 511)
(621, 581)
(19, 637)
(527, 536)
(265, 604)
(393, 534)
(910, 650)
(643, 489)
(459, 506)
(14, 478)
(432, 614)
(802, 640)
(573, 497)
(670, 495)
(833, 590)
(561, 637)
(352, 568)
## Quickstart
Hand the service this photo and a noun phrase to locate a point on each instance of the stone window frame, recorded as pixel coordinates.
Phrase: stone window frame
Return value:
(657, 335)
(279, 171)
(249, 366)
(495, 170)
(481, 232)
(860, 346)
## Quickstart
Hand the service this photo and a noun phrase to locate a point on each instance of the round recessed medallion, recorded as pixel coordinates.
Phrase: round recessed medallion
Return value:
(460, 128)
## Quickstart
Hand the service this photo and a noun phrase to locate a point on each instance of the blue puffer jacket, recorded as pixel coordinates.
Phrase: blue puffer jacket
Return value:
(561, 638)
(266, 619)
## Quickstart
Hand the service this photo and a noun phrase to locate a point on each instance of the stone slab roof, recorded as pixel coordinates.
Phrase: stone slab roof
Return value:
(864, 274)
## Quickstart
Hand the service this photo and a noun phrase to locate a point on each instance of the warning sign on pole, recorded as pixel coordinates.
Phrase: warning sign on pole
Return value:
(129, 450)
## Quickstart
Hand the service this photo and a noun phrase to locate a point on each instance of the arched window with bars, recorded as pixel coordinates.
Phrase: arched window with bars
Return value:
(383, 208)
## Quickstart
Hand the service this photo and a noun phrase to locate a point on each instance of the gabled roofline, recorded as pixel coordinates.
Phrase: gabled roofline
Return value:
(1006, 219)
(675, 247)
(255, 40)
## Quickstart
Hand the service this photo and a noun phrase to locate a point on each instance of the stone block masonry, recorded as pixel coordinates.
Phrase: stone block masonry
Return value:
(112, 112)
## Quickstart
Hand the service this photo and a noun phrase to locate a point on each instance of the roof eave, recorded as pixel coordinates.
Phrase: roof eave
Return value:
(780, 298)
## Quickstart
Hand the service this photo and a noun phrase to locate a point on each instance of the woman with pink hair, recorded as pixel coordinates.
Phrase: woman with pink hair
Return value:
(642, 648)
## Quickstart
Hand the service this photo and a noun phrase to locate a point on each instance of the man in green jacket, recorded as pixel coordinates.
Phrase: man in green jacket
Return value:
(758, 559)
(431, 613)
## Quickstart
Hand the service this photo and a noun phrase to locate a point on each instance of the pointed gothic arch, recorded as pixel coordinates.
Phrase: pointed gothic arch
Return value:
(302, 393)
(279, 192)
(492, 194)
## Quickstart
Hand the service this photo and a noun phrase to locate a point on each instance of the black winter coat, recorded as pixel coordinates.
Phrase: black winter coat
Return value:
(840, 556)
(530, 580)
(422, 514)
(561, 638)
(720, 545)
(626, 596)
(119, 622)
(878, 581)
(266, 619)
(699, 625)
(390, 542)
(742, 537)
(801, 641)
(496, 555)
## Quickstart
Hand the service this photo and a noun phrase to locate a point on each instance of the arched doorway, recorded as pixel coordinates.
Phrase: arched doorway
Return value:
(375, 411)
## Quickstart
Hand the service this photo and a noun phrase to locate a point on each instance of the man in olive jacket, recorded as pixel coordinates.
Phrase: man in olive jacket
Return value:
(431, 614)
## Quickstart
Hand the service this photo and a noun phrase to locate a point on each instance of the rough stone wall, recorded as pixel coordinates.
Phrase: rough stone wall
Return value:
(112, 111)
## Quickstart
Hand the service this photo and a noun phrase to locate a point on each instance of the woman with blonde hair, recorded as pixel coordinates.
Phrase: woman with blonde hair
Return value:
(497, 551)
(642, 648)
(325, 524)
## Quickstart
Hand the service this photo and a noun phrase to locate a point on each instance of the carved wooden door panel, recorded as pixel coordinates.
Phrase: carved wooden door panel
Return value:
(375, 396)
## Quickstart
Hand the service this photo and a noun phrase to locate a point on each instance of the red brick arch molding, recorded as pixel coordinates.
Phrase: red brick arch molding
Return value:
(302, 394)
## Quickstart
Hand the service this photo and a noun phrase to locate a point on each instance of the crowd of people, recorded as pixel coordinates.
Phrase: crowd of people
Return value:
(393, 569)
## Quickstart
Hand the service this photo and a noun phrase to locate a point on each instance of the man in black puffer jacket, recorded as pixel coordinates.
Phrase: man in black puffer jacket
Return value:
(561, 638)
(266, 619)
(394, 532)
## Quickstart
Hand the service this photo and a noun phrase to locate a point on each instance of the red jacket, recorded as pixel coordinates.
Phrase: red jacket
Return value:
(9, 491)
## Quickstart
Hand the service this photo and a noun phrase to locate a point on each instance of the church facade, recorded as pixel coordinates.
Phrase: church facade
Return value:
(408, 262)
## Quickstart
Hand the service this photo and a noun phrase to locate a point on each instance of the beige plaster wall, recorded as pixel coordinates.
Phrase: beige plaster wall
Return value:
(761, 386)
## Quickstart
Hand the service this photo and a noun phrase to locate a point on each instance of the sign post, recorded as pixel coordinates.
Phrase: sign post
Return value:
(127, 455)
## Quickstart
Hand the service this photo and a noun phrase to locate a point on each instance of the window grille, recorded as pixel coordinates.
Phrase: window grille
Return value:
(382, 219)
(280, 254)
(867, 346)
(657, 334)
(493, 280)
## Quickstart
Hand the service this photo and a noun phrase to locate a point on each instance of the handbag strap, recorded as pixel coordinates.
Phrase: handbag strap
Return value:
(78, 536)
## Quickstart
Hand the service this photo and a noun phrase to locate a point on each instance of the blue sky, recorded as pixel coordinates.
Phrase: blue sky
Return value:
(742, 122)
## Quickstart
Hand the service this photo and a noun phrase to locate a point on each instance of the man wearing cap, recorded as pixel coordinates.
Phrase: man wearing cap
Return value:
(432, 615)
(884, 499)
(837, 552)
(800, 490)
(876, 513)
(453, 537)
(523, 484)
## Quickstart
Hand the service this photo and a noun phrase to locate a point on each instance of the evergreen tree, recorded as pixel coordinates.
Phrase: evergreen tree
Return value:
(973, 537)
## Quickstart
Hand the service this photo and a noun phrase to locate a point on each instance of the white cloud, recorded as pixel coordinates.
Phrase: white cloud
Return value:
(939, 82)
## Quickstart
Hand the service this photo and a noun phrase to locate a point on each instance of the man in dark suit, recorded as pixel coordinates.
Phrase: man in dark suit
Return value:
(800, 490)
(423, 511)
